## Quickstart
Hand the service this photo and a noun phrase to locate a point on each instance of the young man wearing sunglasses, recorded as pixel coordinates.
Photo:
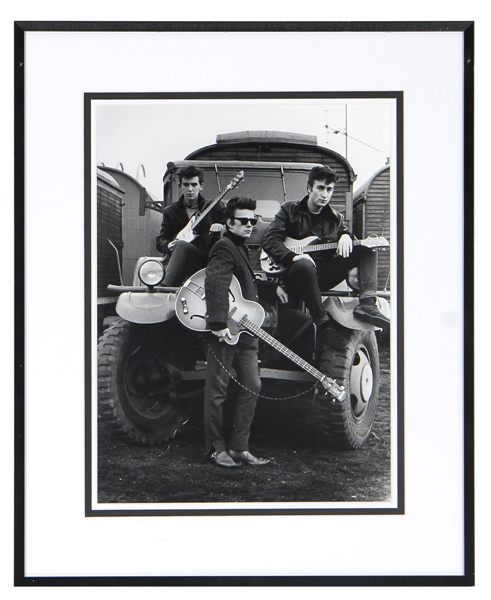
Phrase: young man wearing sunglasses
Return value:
(308, 274)
(229, 257)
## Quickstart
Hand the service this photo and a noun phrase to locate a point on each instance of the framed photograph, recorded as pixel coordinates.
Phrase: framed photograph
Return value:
(361, 426)
(135, 399)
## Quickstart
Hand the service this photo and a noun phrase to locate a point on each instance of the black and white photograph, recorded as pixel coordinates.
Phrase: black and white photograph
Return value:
(318, 172)
(243, 302)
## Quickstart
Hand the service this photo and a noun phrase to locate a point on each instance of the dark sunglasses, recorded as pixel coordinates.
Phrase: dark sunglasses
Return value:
(245, 220)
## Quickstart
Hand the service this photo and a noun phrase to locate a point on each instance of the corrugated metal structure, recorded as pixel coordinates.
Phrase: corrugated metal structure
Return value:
(109, 226)
(371, 216)
(140, 225)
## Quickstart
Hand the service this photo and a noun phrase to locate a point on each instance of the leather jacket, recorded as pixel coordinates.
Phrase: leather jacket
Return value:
(175, 218)
(293, 220)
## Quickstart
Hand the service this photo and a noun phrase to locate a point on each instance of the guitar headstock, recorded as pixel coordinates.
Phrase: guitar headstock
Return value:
(336, 390)
(375, 241)
(236, 180)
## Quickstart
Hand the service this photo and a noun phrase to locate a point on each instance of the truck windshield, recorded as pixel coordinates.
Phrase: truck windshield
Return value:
(270, 188)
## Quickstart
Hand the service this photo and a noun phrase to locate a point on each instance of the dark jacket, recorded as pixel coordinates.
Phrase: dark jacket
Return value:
(227, 257)
(293, 220)
(175, 218)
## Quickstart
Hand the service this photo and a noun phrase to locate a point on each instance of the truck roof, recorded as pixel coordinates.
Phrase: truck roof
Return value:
(240, 137)
(276, 148)
(242, 164)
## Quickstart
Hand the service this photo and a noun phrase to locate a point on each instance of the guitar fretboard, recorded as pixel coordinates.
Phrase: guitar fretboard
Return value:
(199, 290)
(317, 247)
(248, 325)
(200, 216)
(269, 339)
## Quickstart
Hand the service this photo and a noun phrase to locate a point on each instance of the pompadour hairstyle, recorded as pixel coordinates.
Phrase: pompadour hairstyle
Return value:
(190, 172)
(238, 202)
(324, 173)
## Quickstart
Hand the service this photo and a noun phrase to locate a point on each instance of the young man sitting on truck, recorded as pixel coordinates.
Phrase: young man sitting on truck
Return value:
(308, 274)
(185, 258)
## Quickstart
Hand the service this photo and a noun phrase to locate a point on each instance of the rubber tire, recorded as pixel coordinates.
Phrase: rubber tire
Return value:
(347, 353)
(132, 415)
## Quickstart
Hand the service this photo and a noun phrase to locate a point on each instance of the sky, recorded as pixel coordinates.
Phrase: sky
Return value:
(143, 136)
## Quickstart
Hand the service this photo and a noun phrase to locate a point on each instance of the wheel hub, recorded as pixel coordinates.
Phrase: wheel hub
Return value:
(366, 382)
(361, 382)
(146, 378)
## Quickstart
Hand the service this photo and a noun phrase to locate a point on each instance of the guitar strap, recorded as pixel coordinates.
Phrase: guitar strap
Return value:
(191, 212)
(314, 387)
(196, 210)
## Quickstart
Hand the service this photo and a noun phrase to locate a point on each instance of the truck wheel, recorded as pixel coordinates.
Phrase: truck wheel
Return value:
(137, 383)
(351, 357)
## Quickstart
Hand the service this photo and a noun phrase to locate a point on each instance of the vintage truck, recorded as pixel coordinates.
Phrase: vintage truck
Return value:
(151, 366)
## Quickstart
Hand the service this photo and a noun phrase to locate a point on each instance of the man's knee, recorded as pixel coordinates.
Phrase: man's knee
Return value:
(302, 268)
(181, 247)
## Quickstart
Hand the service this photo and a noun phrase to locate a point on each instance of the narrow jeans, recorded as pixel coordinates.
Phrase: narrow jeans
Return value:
(305, 280)
(185, 260)
(216, 383)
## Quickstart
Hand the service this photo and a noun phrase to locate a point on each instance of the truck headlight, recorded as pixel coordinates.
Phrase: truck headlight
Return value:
(151, 273)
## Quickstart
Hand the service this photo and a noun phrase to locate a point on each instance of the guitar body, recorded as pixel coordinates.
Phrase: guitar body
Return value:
(191, 306)
(245, 316)
(187, 233)
(269, 266)
(293, 244)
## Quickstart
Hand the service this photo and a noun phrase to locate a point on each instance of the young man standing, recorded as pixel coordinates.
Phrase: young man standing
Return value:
(308, 274)
(229, 257)
(185, 258)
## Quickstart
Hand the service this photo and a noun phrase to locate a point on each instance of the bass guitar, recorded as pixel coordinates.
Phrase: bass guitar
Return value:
(245, 316)
(188, 234)
(309, 244)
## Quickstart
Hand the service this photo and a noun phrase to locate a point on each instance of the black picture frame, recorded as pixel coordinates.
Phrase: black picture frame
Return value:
(467, 579)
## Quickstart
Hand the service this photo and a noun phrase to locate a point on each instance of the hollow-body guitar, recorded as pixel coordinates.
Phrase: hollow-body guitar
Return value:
(245, 316)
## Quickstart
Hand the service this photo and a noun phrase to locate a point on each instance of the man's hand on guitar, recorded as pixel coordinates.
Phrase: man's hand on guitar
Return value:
(170, 245)
(345, 246)
(216, 228)
(222, 334)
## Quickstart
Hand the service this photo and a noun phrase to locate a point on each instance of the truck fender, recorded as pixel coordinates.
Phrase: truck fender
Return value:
(341, 310)
(146, 307)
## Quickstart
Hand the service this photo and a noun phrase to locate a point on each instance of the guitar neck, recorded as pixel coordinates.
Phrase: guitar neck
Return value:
(317, 247)
(200, 216)
(269, 339)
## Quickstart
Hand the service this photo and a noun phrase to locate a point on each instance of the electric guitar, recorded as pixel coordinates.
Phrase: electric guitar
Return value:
(306, 245)
(187, 234)
(245, 316)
